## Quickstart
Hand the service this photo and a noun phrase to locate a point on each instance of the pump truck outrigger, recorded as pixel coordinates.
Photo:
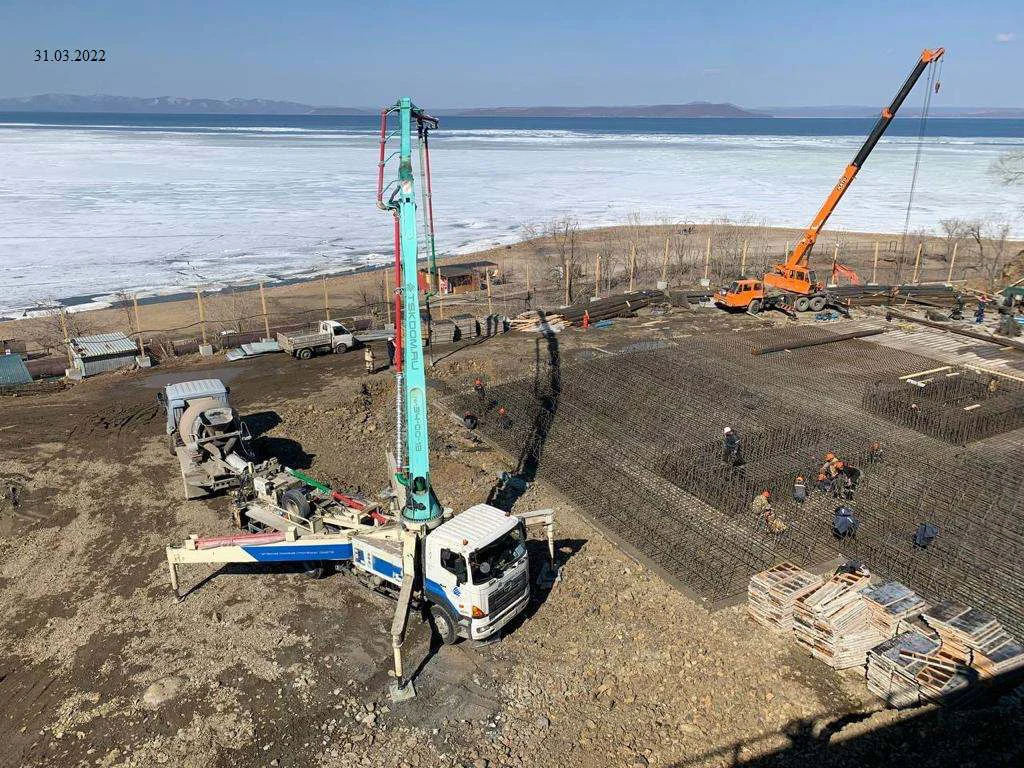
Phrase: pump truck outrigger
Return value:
(469, 570)
(793, 284)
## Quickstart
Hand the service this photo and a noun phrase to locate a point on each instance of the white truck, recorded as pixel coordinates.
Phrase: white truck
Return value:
(475, 570)
(329, 336)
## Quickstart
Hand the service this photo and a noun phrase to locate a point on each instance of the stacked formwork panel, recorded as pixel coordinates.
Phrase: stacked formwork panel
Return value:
(635, 440)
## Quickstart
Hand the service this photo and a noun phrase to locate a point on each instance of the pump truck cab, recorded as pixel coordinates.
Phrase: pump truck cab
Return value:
(792, 285)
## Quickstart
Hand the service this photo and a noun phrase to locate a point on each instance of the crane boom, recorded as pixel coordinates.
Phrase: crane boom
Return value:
(794, 275)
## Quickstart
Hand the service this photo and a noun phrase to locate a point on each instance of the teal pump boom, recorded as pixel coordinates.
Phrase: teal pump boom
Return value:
(421, 504)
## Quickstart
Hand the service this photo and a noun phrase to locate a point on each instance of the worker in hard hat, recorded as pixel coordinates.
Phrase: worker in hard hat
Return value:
(875, 455)
(368, 359)
(478, 387)
(822, 483)
(503, 418)
(731, 447)
(799, 490)
(764, 515)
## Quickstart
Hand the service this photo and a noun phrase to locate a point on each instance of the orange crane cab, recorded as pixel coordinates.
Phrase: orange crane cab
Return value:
(792, 285)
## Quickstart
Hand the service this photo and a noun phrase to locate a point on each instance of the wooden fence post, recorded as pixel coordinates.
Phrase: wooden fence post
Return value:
(67, 340)
(327, 306)
(952, 261)
(917, 262)
(743, 260)
(202, 313)
(632, 265)
(664, 263)
(263, 306)
(490, 309)
(597, 273)
(707, 259)
(138, 326)
(874, 266)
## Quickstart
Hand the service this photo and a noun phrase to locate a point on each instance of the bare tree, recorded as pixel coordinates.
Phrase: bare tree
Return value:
(954, 230)
(991, 240)
(564, 234)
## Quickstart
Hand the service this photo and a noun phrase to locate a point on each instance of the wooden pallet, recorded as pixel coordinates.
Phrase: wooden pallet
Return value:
(771, 595)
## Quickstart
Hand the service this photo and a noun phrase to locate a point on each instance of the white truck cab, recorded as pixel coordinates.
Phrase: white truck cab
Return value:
(475, 572)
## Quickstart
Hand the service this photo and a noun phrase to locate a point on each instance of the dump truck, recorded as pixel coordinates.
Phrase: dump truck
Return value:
(329, 336)
(206, 435)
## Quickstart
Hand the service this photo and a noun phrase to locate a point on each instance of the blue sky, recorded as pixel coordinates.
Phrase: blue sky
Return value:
(448, 53)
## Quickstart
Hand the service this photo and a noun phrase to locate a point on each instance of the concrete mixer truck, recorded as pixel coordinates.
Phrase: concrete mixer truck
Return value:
(206, 434)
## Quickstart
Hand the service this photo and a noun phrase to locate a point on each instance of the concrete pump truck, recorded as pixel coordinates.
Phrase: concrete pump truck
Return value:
(468, 571)
(793, 285)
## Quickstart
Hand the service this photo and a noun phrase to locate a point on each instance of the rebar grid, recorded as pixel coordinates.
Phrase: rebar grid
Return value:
(635, 440)
(956, 405)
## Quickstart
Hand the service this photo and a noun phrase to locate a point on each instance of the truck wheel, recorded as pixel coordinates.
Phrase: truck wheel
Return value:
(304, 354)
(341, 349)
(755, 307)
(818, 303)
(444, 625)
(802, 304)
(295, 502)
(315, 569)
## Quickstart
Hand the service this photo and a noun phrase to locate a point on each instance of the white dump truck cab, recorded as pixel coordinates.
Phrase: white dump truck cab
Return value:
(476, 573)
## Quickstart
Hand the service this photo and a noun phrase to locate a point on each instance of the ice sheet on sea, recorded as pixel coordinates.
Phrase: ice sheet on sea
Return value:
(170, 209)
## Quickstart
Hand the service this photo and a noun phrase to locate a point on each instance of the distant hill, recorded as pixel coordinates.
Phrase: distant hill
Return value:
(62, 102)
(691, 109)
(908, 111)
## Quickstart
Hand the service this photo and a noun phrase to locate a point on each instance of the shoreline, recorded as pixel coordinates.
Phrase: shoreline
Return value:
(109, 299)
(527, 265)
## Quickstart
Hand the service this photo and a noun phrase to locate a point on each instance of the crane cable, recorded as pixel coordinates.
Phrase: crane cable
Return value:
(933, 86)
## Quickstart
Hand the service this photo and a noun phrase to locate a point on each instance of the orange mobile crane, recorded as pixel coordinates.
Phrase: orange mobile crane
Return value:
(793, 285)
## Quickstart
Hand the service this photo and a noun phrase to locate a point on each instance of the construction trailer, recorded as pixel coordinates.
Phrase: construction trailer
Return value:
(99, 353)
(467, 277)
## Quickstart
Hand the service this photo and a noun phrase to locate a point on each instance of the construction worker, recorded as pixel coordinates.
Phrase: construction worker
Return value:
(875, 454)
(368, 359)
(470, 420)
(822, 483)
(586, 319)
(761, 506)
(503, 420)
(391, 351)
(478, 387)
(731, 447)
(799, 490)
(979, 313)
(844, 524)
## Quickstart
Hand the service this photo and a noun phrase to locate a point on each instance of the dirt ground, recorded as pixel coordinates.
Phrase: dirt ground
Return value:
(259, 666)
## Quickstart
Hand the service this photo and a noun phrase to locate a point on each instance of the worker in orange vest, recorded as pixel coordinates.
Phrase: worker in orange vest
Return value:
(478, 387)
(586, 319)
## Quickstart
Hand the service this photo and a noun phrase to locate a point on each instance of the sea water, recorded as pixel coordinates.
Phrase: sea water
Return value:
(95, 204)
